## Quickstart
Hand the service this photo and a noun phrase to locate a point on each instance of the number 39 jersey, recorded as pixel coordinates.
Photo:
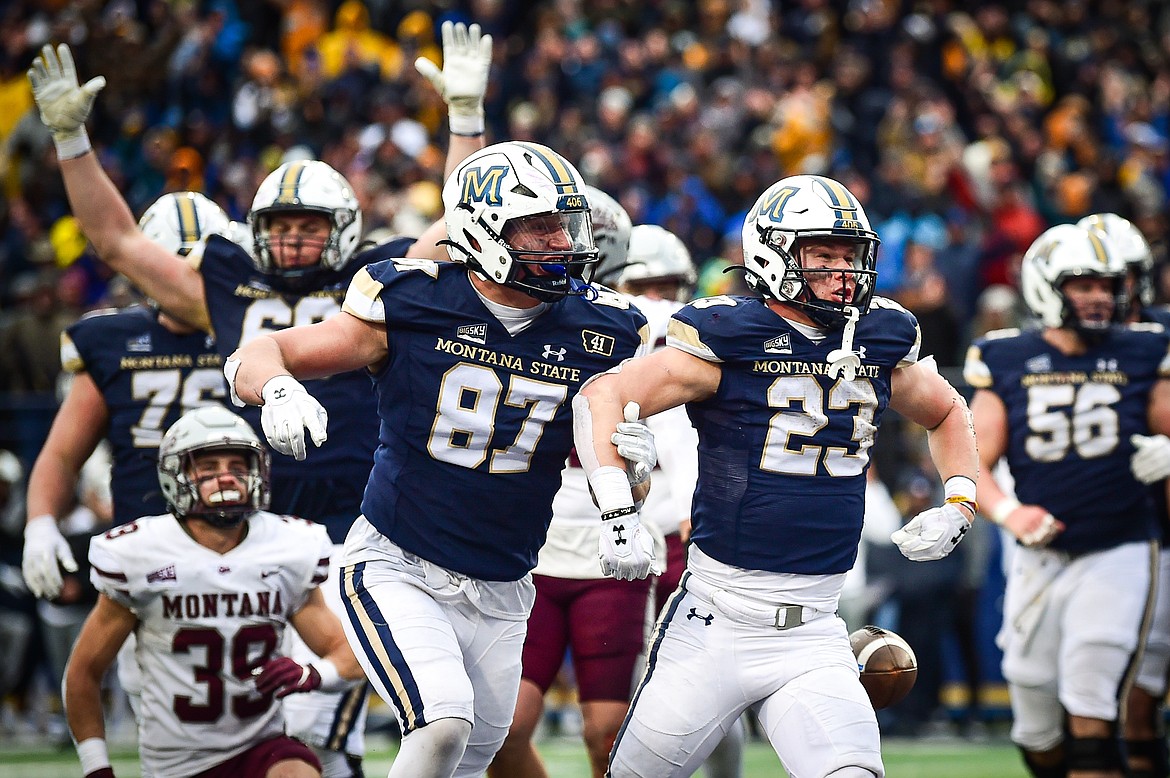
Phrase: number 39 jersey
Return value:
(205, 622)
(477, 422)
(1070, 419)
(783, 448)
(148, 377)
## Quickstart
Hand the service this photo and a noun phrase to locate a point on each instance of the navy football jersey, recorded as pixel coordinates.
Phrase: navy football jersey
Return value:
(783, 448)
(149, 377)
(476, 423)
(1070, 419)
(244, 303)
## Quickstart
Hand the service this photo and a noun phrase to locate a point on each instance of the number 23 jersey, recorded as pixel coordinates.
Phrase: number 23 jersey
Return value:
(477, 422)
(205, 622)
(1069, 422)
(783, 448)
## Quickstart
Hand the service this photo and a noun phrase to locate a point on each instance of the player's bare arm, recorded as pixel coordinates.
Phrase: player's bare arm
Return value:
(102, 635)
(77, 429)
(1030, 523)
(665, 379)
(923, 396)
(319, 628)
(311, 351)
(104, 215)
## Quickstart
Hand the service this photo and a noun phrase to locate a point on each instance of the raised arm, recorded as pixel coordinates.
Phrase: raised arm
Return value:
(104, 216)
(78, 427)
(467, 59)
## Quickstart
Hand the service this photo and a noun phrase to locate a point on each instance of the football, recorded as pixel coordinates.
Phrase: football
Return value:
(887, 664)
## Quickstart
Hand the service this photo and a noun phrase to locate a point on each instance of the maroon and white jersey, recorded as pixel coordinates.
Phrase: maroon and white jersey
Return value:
(205, 622)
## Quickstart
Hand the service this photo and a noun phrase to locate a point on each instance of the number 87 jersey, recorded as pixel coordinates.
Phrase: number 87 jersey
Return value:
(1069, 423)
(783, 446)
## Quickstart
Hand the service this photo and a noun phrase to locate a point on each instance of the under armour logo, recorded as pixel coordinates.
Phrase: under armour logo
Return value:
(618, 530)
(550, 352)
(962, 531)
(278, 393)
(694, 614)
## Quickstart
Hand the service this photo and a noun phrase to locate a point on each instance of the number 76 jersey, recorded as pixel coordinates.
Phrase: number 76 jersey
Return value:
(1069, 422)
(783, 446)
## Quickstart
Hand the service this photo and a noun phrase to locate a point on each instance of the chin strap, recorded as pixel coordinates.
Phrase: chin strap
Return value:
(845, 361)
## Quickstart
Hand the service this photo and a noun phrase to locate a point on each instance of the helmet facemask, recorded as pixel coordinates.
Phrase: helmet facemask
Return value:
(800, 284)
(188, 501)
(1095, 328)
(304, 277)
(549, 253)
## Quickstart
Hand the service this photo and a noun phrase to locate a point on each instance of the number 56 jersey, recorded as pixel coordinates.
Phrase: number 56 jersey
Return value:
(205, 622)
(1070, 419)
(477, 421)
(783, 447)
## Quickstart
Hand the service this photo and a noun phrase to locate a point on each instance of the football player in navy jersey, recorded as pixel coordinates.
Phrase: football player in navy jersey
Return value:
(786, 393)
(1066, 405)
(475, 363)
(1145, 741)
(134, 372)
(305, 225)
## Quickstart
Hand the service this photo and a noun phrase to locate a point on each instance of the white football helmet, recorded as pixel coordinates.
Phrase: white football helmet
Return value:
(1131, 246)
(179, 221)
(306, 186)
(611, 233)
(518, 213)
(211, 427)
(1060, 253)
(659, 254)
(788, 212)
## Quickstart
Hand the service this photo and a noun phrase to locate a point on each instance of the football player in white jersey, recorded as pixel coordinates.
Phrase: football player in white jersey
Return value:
(786, 392)
(208, 589)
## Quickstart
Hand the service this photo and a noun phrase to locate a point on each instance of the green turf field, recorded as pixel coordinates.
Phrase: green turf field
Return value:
(565, 758)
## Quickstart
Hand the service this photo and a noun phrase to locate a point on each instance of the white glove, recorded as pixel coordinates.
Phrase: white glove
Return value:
(467, 57)
(287, 412)
(635, 443)
(625, 548)
(932, 534)
(1150, 463)
(64, 105)
(44, 548)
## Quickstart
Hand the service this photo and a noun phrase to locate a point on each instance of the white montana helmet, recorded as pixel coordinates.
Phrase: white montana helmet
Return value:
(1131, 246)
(306, 186)
(1060, 253)
(211, 427)
(657, 253)
(791, 210)
(611, 233)
(502, 204)
(179, 221)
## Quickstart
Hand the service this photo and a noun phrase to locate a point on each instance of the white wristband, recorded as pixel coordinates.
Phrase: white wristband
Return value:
(93, 755)
(331, 680)
(465, 123)
(1002, 510)
(73, 145)
(959, 486)
(611, 488)
(36, 521)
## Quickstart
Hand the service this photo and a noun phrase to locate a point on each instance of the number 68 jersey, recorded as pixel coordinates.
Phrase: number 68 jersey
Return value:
(783, 447)
(1069, 422)
(205, 622)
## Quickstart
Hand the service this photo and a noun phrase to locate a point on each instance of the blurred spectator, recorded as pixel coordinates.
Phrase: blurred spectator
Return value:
(29, 344)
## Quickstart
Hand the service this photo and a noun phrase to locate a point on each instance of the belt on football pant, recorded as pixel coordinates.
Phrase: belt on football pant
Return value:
(782, 616)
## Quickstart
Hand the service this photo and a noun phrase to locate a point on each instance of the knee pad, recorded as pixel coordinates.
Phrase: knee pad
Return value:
(1153, 753)
(1038, 769)
(1100, 754)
